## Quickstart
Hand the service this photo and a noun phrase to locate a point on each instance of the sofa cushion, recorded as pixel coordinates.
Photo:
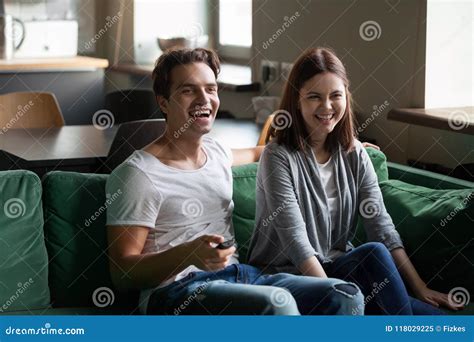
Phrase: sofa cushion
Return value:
(74, 209)
(244, 178)
(379, 161)
(23, 257)
(436, 227)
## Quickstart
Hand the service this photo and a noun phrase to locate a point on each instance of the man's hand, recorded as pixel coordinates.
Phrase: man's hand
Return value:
(205, 256)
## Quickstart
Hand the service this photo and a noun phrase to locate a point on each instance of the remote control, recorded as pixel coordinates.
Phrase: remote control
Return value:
(226, 244)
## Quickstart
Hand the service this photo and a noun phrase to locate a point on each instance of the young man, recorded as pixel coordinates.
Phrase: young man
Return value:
(176, 207)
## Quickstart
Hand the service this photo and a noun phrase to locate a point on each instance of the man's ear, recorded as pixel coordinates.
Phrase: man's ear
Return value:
(163, 103)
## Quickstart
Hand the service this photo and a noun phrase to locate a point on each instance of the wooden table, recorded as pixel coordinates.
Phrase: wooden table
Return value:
(85, 148)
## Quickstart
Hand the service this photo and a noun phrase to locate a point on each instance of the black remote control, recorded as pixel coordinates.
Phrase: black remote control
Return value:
(226, 244)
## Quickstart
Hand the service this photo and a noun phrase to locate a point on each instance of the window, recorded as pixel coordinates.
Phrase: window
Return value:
(165, 19)
(235, 28)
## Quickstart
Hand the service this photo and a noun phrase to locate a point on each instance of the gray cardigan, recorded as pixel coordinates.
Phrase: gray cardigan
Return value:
(292, 217)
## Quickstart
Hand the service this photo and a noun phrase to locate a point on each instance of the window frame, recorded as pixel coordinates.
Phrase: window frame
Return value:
(231, 53)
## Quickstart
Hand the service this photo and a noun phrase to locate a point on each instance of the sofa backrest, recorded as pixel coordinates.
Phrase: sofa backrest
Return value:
(23, 257)
(74, 211)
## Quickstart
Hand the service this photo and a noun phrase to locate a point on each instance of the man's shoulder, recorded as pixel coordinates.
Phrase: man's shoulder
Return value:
(138, 163)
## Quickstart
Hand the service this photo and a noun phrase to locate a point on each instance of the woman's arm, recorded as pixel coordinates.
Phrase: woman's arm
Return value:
(275, 184)
(312, 267)
(417, 285)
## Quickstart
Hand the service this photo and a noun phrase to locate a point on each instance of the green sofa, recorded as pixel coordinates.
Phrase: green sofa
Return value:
(53, 257)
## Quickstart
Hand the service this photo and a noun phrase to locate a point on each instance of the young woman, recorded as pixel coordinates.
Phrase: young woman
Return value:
(313, 179)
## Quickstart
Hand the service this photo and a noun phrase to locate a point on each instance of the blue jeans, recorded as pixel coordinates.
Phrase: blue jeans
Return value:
(373, 269)
(243, 290)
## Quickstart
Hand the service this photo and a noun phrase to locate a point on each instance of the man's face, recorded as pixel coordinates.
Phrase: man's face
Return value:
(193, 102)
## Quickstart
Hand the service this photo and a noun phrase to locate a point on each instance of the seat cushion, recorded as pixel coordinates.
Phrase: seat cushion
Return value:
(74, 209)
(436, 227)
(23, 257)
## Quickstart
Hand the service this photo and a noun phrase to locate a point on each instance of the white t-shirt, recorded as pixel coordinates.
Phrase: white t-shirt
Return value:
(177, 205)
(326, 171)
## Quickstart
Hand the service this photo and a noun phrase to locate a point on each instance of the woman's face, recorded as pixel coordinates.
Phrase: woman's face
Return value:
(322, 103)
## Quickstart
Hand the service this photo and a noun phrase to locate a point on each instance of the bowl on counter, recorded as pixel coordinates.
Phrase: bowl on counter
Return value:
(182, 42)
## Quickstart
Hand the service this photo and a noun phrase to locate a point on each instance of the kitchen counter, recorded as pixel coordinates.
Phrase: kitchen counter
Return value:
(77, 82)
(49, 64)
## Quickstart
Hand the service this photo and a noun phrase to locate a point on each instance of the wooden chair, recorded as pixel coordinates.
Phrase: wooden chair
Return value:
(265, 129)
(29, 110)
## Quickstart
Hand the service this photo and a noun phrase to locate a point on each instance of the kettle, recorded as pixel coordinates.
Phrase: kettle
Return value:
(9, 39)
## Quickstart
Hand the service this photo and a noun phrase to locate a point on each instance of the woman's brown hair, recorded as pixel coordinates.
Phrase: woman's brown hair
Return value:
(288, 127)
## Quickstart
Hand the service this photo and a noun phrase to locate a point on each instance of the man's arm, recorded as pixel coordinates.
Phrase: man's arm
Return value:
(130, 269)
(246, 155)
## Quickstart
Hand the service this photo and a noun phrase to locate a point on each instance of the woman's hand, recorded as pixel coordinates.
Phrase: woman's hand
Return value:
(366, 144)
(436, 298)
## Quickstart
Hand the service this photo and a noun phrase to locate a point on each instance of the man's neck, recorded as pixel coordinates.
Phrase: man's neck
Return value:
(183, 152)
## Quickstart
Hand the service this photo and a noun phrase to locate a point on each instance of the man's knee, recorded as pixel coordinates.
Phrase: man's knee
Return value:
(346, 299)
(277, 301)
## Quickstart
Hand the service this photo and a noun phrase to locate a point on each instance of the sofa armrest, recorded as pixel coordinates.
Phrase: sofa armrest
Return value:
(425, 178)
